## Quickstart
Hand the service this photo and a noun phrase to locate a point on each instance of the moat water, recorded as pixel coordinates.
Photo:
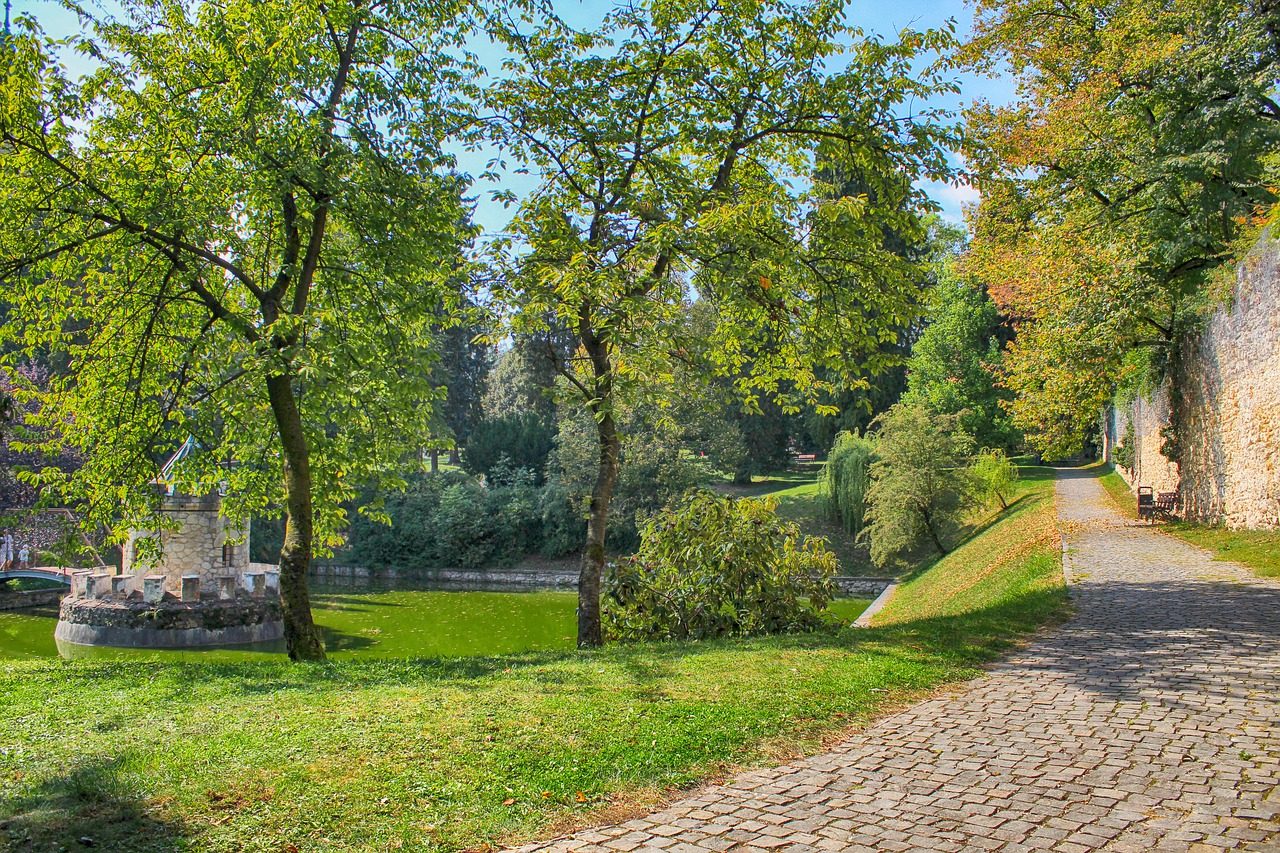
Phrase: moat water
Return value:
(360, 622)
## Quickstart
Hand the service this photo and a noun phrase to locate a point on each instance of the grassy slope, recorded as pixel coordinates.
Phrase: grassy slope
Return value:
(379, 755)
(1257, 549)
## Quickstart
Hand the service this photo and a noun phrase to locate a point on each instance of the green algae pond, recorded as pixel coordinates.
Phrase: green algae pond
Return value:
(364, 622)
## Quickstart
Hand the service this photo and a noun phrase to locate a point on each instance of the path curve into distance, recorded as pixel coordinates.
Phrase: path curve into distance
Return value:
(1150, 721)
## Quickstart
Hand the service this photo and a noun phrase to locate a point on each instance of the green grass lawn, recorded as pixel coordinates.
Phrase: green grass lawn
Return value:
(1257, 549)
(461, 753)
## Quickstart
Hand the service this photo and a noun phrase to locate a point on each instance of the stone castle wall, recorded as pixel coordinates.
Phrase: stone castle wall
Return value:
(1230, 399)
(196, 548)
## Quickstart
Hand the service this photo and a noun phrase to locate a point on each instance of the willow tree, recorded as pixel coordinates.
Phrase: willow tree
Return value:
(674, 146)
(238, 226)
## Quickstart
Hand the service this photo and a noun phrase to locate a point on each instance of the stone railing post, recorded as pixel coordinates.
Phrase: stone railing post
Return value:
(79, 583)
(96, 585)
(255, 582)
(153, 588)
(190, 587)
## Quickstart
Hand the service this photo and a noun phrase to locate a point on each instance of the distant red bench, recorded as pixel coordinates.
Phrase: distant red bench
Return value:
(1152, 506)
(806, 457)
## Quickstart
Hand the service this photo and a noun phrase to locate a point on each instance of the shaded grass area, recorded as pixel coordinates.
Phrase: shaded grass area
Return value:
(1257, 549)
(459, 753)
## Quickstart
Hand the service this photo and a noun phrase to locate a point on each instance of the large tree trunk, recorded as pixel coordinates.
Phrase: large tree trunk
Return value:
(434, 454)
(300, 634)
(589, 629)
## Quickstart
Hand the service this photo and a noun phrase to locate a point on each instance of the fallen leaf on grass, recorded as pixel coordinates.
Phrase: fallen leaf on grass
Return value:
(509, 801)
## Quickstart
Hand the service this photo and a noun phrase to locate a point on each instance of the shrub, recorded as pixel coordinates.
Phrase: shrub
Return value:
(710, 566)
(920, 487)
(511, 441)
(564, 525)
(993, 476)
(467, 532)
(845, 480)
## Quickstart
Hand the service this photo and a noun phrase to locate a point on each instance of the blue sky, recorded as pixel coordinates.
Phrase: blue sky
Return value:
(883, 18)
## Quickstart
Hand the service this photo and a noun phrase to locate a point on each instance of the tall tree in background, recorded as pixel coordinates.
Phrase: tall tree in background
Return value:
(236, 228)
(463, 370)
(955, 363)
(1117, 182)
(671, 145)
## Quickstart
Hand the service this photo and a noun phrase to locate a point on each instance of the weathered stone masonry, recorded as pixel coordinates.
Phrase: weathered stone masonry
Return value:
(1230, 398)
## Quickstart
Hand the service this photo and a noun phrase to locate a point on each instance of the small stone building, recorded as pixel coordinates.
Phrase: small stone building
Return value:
(206, 543)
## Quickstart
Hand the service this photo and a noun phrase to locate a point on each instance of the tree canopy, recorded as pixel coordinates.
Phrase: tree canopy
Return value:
(1132, 161)
(675, 146)
(240, 227)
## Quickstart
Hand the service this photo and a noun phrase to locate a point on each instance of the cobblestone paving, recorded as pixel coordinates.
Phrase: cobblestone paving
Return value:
(1148, 722)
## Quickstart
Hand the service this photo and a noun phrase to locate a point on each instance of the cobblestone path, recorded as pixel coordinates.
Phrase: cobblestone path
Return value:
(1148, 722)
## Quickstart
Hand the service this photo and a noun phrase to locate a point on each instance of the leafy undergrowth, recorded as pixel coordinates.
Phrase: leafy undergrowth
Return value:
(1257, 549)
(469, 752)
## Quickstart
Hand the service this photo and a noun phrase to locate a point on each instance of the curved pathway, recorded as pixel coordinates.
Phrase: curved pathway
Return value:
(1151, 721)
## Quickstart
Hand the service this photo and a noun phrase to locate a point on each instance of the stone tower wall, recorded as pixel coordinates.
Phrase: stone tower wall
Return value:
(195, 548)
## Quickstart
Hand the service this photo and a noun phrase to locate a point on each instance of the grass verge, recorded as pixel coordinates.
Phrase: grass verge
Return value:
(1257, 549)
(469, 752)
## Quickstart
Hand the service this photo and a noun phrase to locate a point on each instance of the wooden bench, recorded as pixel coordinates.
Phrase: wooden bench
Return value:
(1152, 506)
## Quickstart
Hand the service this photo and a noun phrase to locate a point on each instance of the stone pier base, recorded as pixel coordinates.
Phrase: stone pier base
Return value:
(171, 623)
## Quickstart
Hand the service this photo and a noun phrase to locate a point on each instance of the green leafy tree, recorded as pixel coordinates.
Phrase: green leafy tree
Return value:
(712, 566)
(523, 378)
(994, 475)
(238, 228)
(919, 486)
(463, 370)
(1116, 184)
(674, 146)
(955, 363)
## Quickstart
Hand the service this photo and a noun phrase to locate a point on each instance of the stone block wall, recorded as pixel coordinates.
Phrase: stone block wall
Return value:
(195, 548)
(1230, 397)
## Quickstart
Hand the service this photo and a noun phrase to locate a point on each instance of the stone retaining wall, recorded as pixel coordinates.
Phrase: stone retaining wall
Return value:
(1230, 409)
(523, 579)
(21, 599)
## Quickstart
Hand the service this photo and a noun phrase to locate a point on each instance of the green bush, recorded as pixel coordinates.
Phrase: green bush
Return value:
(564, 525)
(993, 476)
(710, 566)
(845, 480)
(509, 442)
(450, 520)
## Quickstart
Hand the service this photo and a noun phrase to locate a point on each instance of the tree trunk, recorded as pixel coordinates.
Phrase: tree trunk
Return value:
(742, 476)
(300, 634)
(434, 453)
(454, 459)
(589, 630)
(933, 534)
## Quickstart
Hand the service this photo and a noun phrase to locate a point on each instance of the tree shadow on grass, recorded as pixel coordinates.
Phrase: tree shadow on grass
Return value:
(91, 807)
